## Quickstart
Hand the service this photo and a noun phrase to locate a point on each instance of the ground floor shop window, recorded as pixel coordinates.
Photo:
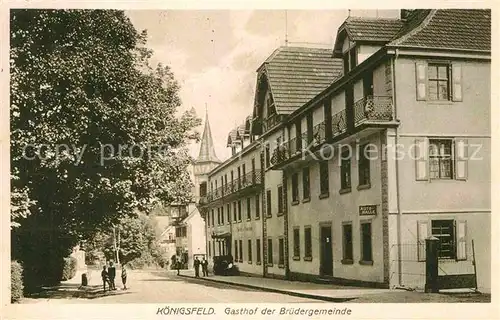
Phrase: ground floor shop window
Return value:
(307, 244)
(281, 253)
(269, 252)
(347, 252)
(296, 244)
(241, 251)
(258, 251)
(366, 243)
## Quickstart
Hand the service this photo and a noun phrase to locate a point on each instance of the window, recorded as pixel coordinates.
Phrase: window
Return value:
(281, 252)
(306, 187)
(280, 199)
(241, 251)
(307, 243)
(350, 60)
(249, 210)
(218, 216)
(444, 231)
(366, 243)
(213, 243)
(239, 177)
(228, 213)
(257, 207)
(268, 203)
(323, 178)
(232, 180)
(249, 251)
(451, 234)
(270, 252)
(235, 212)
(295, 187)
(222, 215)
(239, 210)
(213, 217)
(243, 169)
(209, 249)
(345, 170)
(347, 252)
(364, 165)
(296, 244)
(235, 250)
(438, 81)
(258, 251)
(208, 219)
(268, 156)
(440, 157)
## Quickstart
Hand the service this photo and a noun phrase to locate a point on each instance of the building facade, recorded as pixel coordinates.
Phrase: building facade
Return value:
(369, 151)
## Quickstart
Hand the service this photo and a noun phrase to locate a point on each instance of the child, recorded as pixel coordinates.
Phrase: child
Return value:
(124, 277)
(104, 276)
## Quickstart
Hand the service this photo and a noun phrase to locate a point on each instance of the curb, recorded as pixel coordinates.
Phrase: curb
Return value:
(290, 293)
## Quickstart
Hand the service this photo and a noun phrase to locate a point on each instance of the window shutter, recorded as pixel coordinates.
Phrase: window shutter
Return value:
(422, 233)
(461, 240)
(421, 81)
(461, 158)
(421, 159)
(456, 81)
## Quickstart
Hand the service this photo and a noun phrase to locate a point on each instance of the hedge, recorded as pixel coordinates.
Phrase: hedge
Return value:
(69, 269)
(16, 281)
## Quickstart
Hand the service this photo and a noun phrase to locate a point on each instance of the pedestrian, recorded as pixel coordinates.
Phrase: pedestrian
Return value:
(204, 267)
(178, 266)
(124, 277)
(197, 267)
(112, 275)
(105, 278)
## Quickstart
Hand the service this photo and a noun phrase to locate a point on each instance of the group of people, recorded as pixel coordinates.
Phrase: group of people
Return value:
(108, 276)
(197, 264)
(204, 267)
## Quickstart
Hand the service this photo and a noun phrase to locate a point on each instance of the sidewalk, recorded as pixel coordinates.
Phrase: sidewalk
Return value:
(325, 292)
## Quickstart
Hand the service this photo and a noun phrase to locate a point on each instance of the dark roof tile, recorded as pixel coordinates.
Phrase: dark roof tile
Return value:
(466, 29)
(372, 29)
(297, 74)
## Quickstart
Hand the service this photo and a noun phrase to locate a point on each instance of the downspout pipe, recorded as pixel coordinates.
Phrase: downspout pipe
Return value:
(398, 189)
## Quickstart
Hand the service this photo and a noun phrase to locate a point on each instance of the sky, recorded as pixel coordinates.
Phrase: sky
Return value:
(214, 54)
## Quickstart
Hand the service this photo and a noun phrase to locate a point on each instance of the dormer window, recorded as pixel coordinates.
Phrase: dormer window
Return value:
(350, 58)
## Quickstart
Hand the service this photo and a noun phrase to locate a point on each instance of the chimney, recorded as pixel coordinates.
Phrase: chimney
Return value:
(405, 13)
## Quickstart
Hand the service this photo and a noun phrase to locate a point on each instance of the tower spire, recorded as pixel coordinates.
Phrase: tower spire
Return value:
(207, 149)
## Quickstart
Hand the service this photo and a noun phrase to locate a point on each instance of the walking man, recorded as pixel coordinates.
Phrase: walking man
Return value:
(178, 266)
(196, 267)
(104, 276)
(204, 267)
(112, 275)
(124, 277)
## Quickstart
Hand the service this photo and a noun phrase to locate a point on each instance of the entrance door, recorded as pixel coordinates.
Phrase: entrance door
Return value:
(326, 257)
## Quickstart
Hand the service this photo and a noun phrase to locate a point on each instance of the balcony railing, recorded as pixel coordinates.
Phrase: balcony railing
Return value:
(373, 108)
(319, 133)
(250, 179)
(272, 121)
(339, 123)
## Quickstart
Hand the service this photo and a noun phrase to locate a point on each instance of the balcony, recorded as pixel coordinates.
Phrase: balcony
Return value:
(373, 109)
(244, 184)
(272, 121)
(368, 114)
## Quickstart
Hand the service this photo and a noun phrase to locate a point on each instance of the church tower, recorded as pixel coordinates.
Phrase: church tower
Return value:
(207, 160)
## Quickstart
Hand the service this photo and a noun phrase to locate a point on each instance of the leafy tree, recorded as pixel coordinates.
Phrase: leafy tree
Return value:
(95, 132)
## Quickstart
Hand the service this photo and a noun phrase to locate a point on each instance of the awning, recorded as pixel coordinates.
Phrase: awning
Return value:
(221, 235)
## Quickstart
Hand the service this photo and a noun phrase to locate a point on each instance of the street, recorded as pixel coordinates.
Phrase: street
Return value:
(166, 287)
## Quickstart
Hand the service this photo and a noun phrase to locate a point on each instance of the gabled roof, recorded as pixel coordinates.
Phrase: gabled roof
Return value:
(465, 29)
(372, 29)
(296, 74)
(207, 149)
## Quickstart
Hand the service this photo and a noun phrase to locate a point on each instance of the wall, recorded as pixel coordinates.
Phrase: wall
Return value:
(337, 208)
(467, 200)
(365, 51)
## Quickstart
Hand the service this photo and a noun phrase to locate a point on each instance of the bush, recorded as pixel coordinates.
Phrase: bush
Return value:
(16, 281)
(69, 269)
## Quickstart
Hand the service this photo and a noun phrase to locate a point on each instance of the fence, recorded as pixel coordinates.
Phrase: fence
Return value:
(410, 258)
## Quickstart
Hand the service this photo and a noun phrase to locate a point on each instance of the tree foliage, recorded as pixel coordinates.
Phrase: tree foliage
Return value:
(95, 129)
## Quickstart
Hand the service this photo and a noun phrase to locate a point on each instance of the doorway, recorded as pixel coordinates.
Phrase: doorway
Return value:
(326, 254)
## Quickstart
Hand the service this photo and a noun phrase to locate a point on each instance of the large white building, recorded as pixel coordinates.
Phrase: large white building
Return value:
(362, 152)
